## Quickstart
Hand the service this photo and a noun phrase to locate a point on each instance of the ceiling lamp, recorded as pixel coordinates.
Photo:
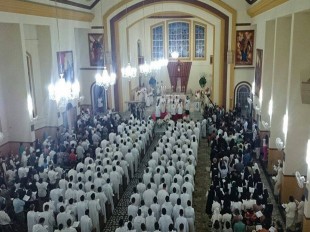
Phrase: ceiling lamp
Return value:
(145, 68)
(175, 55)
(63, 91)
(129, 72)
(105, 80)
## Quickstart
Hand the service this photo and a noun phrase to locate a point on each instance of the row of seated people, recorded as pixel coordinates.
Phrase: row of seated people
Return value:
(162, 200)
(83, 196)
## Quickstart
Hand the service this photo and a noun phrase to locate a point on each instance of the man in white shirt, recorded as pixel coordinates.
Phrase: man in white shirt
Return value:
(181, 220)
(32, 218)
(139, 219)
(164, 221)
(150, 221)
(133, 208)
(86, 222)
(148, 195)
(39, 227)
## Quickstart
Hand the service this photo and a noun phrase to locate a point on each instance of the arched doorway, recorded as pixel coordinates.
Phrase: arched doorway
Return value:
(98, 99)
(242, 92)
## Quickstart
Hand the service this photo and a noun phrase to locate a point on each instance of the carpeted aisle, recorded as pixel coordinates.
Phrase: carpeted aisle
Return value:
(202, 183)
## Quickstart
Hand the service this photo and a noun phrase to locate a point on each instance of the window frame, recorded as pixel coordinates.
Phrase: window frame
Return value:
(189, 22)
(161, 24)
(205, 40)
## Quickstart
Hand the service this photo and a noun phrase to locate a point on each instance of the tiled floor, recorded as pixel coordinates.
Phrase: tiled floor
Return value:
(120, 211)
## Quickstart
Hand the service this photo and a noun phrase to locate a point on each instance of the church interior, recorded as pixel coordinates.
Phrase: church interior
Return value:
(105, 67)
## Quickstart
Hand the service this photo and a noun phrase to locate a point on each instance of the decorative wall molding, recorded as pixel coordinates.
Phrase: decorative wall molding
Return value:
(36, 9)
(263, 6)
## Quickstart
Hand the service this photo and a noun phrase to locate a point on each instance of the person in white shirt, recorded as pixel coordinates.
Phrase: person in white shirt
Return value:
(62, 216)
(81, 206)
(5, 220)
(290, 210)
(189, 213)
(42, 188)
(150, 221)
(181, 220)
(86, 222)
(139, 219)
(32, 218)
(164, 221)
(39, 227)
(94, 209)
(133, 208)
(149, 195)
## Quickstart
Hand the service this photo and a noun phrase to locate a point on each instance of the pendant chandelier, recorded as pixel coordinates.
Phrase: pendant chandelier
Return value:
(144, 68)
(105, 80)
(63, 91)
(128, 72)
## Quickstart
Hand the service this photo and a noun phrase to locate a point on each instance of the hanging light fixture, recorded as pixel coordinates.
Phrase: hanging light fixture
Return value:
(128, 72)
(144, 68)
(62, 91)
(105, 80)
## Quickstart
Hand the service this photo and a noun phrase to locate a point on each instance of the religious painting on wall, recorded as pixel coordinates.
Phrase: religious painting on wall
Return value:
(65, 65)
(244, 47)
(258, 71)
(96, 51)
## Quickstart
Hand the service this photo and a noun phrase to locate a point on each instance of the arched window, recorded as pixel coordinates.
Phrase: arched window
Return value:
(178, 40)
(158, 42)
(200, 38)
(242, 92)
(31, 84)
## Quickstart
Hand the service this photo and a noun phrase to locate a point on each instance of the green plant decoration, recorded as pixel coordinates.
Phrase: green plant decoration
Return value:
(202, 81)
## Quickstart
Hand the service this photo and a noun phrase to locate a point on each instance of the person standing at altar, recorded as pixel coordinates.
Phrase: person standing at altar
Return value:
(180, 109)
(168, 104)
(173, 111)
(187, 105)
(162, 106)
(157, 110)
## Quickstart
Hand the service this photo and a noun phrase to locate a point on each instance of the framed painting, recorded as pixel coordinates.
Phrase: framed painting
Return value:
(244, 47)
(96, 49)
(258, 71)
(65, 65)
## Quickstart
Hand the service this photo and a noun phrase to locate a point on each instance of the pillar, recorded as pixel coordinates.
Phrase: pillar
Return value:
(267, 72)
(280, 77)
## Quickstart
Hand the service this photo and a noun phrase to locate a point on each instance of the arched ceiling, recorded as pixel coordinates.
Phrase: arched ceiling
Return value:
(85, 4)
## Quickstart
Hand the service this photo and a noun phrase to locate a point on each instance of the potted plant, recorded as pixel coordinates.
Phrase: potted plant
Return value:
(202, 81)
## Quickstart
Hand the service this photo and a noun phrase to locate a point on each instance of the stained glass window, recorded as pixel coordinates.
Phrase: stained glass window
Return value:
(199, 41)
(158, 42)
(179, 39)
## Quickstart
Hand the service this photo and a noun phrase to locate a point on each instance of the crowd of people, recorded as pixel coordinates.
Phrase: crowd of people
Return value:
(73, 180)
(172, 105)
(162, 200)
(237, 200)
